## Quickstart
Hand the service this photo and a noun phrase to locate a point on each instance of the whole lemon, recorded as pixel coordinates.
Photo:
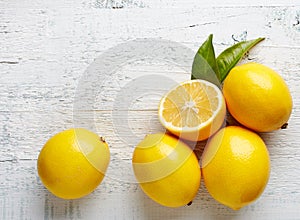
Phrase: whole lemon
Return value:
(235, 166)
(73, 162)
(167, 169)
(257, 97)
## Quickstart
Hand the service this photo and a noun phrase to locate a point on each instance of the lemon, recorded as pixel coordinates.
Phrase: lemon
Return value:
(167, 170)
(235, 166)
(257, 97)
(193, 110)
(73, 162)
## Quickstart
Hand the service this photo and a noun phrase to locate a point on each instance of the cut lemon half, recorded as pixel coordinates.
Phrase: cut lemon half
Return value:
(193, 110)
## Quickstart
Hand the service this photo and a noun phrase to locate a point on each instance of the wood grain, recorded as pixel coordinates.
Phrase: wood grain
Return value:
(46, 48)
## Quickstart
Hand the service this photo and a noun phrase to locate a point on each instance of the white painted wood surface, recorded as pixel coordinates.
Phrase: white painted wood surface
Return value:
(45, 50)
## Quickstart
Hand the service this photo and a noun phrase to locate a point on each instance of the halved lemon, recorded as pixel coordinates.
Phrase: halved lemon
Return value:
(193, 110)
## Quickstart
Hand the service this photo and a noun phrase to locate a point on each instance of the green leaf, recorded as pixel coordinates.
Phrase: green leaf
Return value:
(232, 55)
(204, 65)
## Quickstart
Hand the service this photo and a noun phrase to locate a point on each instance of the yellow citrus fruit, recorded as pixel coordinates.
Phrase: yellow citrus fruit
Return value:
(193, 110)
(167, 170)
(257, 97)
(73, 162)
(235, 166)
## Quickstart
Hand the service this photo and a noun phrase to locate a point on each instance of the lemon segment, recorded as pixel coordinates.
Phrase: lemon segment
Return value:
(193, 110)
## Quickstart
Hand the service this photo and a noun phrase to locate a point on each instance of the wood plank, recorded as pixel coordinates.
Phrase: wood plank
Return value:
(26, 95)
(121, 4)
(55, 58)
(108, 200)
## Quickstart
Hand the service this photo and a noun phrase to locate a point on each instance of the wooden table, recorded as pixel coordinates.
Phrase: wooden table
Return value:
(48, 49)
